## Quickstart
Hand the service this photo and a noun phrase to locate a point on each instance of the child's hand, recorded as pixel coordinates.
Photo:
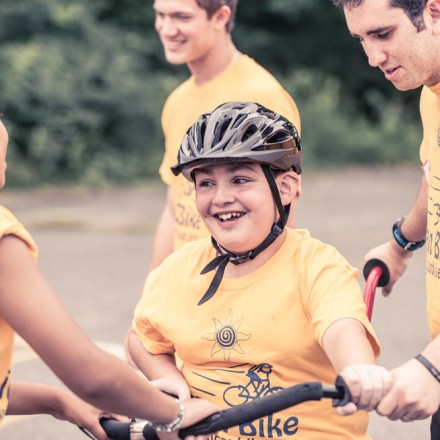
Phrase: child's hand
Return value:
(176, 386)
(367, 384)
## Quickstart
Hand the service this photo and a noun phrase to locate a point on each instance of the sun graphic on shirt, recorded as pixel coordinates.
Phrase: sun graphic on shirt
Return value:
(226, 336)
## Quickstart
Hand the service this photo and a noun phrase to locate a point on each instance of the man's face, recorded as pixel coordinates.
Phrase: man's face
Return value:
(184, 29)
(407, 57)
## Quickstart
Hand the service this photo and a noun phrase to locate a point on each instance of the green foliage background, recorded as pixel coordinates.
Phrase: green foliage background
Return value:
(82, 85)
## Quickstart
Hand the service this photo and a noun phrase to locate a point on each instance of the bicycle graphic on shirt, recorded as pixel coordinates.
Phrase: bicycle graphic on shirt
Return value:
(258, 386)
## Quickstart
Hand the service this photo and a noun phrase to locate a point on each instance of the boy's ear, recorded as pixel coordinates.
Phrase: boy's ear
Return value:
(222, 16)
(289, 185)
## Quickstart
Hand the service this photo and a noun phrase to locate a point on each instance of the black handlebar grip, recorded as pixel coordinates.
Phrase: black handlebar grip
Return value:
(375, 262)
(114, 429)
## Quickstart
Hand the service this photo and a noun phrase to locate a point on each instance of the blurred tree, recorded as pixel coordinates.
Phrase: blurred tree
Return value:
(82, 105)
(82, 85)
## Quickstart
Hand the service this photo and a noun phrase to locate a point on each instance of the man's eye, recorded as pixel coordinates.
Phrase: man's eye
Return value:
(183, 17)
(384, 35)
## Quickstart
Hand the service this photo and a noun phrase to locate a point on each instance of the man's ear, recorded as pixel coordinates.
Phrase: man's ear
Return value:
(432, 9)
(222, 16)
(289, 185)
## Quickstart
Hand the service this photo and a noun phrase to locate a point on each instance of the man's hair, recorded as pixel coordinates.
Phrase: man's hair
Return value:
(211, 6)
(412, 8)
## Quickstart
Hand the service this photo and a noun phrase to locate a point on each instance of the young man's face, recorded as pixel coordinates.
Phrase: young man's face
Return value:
(186, 32)
(236, 204)
(3, 148)
(407, 57)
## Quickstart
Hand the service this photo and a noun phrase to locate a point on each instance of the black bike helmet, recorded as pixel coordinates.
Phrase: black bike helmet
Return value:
(240, 131)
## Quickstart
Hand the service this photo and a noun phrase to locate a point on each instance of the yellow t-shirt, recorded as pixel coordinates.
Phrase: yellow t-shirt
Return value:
(245, 80)
(430, 156)
(9, 226)
(259, 333)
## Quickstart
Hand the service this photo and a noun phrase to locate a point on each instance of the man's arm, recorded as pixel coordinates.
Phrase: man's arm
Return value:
(413, 228)
(163, 243)
(415, 393)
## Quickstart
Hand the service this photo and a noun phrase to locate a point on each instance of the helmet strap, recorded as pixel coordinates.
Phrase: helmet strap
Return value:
(226, 256)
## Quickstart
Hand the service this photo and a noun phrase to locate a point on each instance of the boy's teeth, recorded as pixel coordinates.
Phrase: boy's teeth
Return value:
(228, 216)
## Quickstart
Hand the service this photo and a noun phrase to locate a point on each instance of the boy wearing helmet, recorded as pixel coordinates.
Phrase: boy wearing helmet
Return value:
(280, 309)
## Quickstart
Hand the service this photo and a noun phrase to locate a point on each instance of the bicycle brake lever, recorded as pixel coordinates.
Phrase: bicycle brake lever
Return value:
(87, 433)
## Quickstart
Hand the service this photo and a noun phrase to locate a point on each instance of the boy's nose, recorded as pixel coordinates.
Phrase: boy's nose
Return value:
(223, 195)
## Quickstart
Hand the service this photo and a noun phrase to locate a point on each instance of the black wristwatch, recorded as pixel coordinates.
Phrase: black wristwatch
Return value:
(400, 238)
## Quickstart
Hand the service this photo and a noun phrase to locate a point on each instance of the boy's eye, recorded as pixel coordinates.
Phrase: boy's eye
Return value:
(204, 183)
(240, 180)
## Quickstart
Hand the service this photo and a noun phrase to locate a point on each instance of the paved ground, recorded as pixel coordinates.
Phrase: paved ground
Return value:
(95, 249)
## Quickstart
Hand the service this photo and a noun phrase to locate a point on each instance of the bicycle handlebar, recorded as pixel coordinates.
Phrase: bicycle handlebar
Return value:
(376, 274)
(239, 414)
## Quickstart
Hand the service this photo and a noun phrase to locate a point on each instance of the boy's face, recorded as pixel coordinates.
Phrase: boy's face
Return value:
(3, 148)
(236, 204)
(184, 29)
(409, 58)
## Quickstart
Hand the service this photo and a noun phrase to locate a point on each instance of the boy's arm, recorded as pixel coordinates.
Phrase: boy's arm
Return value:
(351, 354)
(32, 398)
(160, 369)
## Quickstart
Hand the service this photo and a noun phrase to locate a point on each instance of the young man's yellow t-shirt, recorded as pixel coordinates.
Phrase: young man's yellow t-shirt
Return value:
(430, 156)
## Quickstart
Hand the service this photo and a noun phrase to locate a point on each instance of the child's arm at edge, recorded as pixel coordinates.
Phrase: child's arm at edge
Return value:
(351, 354)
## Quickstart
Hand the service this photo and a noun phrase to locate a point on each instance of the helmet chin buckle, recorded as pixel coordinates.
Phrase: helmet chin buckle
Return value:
(276, 229)
(241, 258)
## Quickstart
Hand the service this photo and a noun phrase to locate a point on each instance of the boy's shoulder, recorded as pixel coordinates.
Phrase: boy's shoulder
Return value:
(307, 244)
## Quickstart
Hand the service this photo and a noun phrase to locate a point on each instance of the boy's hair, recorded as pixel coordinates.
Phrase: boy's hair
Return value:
(412, 8)
(211, 6)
